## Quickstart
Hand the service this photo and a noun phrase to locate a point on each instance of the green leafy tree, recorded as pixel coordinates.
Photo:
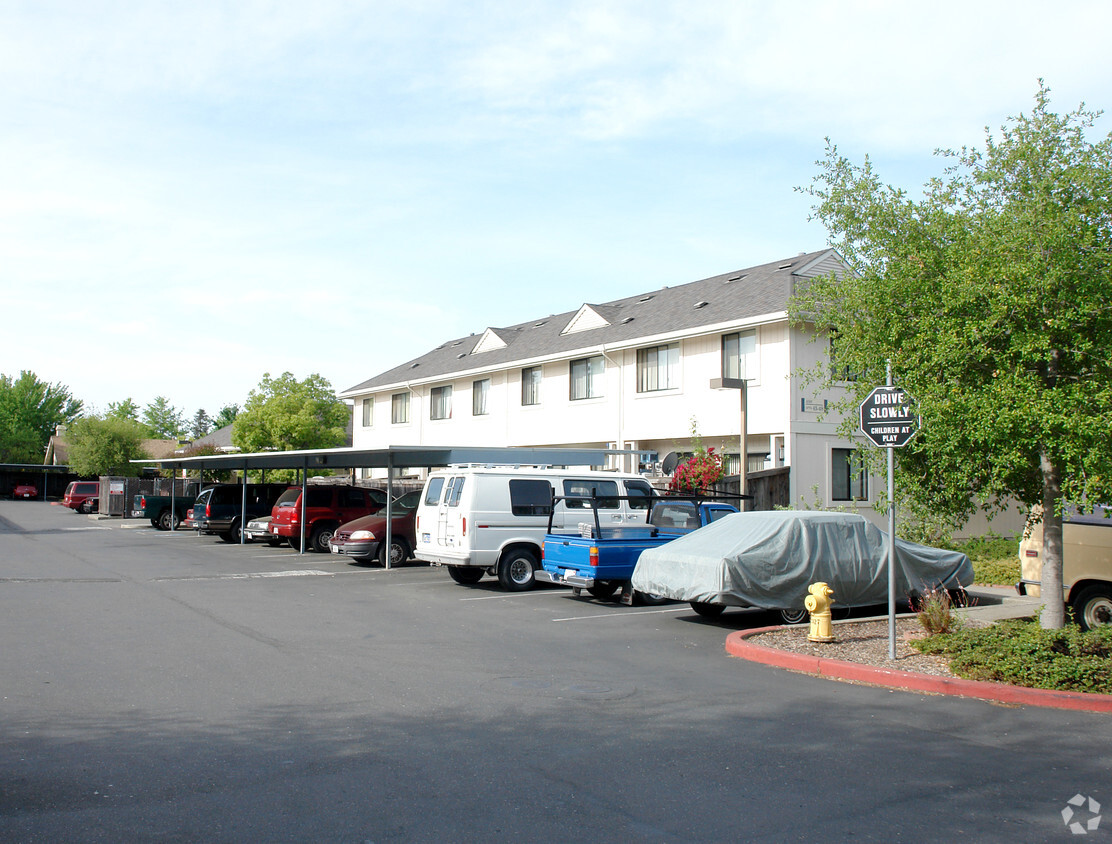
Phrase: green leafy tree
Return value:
(285, 414)
(163, 419)
(991, 295)
(30, 410)
(226, 416)
(126, 409)
(106, 445)
(201, 424)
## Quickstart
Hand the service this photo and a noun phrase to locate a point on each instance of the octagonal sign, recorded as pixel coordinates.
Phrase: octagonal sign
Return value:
(887, 418)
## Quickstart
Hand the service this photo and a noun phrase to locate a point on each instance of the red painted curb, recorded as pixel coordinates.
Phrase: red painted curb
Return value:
(737, 645)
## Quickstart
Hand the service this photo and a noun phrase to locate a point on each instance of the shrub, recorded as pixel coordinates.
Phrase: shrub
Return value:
(1023, 654)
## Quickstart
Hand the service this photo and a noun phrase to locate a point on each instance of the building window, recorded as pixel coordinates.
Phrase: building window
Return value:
(399, 408)
(440, 404)
(530, 385)
(586, 378)
(657, 368)
(849, 481)
(368, 412)
(838, 372)
(739, 355)
(479, 392)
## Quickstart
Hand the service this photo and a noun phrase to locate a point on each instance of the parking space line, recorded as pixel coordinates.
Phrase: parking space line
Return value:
(251, 575)
(619, 614)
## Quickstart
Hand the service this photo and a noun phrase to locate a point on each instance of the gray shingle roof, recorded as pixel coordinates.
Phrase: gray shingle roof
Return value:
(738, 295)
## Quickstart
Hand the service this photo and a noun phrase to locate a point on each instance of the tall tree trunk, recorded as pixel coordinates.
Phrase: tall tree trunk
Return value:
(1054, 608)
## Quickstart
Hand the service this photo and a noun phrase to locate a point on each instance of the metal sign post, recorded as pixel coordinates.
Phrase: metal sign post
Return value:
(888, 421)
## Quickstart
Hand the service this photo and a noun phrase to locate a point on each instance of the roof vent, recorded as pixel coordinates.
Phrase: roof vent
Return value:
(460, 356)
(627, 320)
(785, 266)
(734, 278)
(699, 305)
(414, 365)
(645, 298)
(539, 324)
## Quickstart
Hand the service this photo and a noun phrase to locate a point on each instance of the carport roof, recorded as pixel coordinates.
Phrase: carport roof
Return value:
(392, 457)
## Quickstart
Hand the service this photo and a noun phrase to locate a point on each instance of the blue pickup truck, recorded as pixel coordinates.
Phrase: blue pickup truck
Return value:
(601, 559)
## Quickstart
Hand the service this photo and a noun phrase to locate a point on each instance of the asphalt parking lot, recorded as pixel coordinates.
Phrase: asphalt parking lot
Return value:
(168, 687)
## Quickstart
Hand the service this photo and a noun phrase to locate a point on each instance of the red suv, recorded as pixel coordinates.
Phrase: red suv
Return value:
(78, 492)
(329, 506)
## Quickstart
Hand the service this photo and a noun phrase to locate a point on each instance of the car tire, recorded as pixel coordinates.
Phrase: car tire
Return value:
(294, 542)
(1093, 606)
(517, 570)
(793, 616)
(648, 599)
(466, 575)
(232, 533)
(319, 539)
(399, 552)
(603, 591)
(168, 521)
(707, 610)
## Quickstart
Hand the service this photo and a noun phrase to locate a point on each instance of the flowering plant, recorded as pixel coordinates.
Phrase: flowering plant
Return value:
(698, 472)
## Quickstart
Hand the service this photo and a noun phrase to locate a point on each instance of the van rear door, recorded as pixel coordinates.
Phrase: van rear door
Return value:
(449, 531)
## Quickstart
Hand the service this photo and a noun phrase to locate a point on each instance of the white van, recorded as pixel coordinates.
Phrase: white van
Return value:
(493, 520)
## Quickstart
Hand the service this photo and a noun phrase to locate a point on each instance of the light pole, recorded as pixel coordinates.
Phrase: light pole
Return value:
(738, 384)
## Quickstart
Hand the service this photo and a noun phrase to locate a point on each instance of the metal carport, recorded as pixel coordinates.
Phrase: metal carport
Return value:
(426, 457)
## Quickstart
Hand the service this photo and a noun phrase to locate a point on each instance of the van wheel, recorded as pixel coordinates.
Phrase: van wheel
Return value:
(399, 552)
(707, 610)
(320, 537)
(1093, 606)
(467, 575)
(516, 570)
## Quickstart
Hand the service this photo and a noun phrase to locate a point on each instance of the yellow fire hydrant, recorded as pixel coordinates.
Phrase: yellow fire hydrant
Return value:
(818, 604)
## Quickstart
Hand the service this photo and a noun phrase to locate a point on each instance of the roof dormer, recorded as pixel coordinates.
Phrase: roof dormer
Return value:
(489, 342)
(588, 317)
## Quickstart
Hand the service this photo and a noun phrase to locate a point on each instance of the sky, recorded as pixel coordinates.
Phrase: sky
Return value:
(195, 194)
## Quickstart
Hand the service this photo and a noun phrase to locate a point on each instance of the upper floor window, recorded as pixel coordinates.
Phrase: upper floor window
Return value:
(658, 368)
(480, 391)
(849, 480)
(440, 403)
(587, 378)
(368, 412)
(531, 385)
(399, 408)
(838, 371)
(739, 355)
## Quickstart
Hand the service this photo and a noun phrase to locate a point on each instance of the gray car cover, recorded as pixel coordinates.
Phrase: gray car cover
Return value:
(768, 559)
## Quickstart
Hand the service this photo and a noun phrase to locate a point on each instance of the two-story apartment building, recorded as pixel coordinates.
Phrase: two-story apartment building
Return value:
(634, 373)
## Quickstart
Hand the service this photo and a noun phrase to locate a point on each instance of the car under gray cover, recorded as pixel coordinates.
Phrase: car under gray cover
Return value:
(768, 559)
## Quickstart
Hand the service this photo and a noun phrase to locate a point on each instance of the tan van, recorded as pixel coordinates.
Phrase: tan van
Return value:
(1086, 565)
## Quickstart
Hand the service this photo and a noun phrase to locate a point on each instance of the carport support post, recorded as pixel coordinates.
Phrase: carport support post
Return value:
(304, 495)
(173, 499)
(389, 508)
(243, 507)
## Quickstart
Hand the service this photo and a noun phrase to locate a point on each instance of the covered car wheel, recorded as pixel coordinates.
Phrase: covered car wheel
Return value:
(1093, 606)
(168, 521)
(793, 616)
(649, 599)
(319, 540)
(467, 575)
(516, 570)
(399, 552)
(707, 610)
